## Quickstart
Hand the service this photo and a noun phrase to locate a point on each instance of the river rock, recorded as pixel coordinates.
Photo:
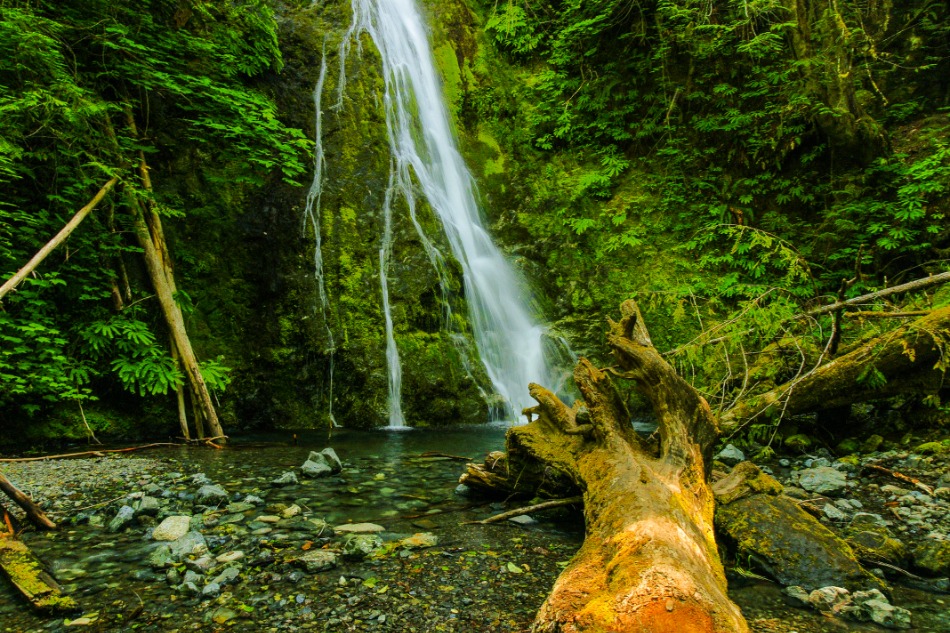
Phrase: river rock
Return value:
(873, 606)
(172, 528)
(286, 479)
(789, 544)
(317, 560)
(316, 466)
(826, 598)
(147, 506)
(211, 590)
(254, 500)
(834, 513)
(823, 480)
(227, 576)
(933, 556)
(230, 557)
(122, 519)
(160, 557)
(419, 541)
(332, 459)
(359, 546)
(359, 528)
(240, 506)
(870, 538)
(730, 455)
(522, 519)
(211, 494)
(191, 544)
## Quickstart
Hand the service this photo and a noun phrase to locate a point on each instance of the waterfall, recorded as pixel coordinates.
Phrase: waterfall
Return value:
(424, 156)
(312, 213)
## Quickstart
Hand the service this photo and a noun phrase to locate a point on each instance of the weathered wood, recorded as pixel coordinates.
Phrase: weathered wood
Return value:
(537, 507)
(649, 560)
(33, 512)
(910, 359)
(917, 284)
(27, 575)
(60, 237)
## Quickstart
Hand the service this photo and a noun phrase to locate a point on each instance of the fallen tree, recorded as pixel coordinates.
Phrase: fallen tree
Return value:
(910, 359)
(649, 561)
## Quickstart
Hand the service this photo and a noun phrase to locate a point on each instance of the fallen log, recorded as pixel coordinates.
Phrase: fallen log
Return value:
(27, 575)
(649, 561)
(33, 512)
(910, 359)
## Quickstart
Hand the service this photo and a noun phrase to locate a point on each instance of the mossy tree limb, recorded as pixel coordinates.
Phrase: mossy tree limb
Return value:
(910, 359)
(26, 573)
(649, 561)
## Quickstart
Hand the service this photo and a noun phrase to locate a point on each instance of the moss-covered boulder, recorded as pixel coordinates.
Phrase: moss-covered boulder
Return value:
(772, 532)
(933, 557)
(873, 542)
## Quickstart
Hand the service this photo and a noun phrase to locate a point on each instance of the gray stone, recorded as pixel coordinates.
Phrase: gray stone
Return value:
(227, 576)
(317, 560)
(189, 588)
(160, 557)
(239, 507)
(201, 565)
(823, 480)
(172, 528)
(148, 506)
(332, 460)
(359, 528)
(419, 541)
(211, 494)
(833, 513)
(254, 499)
(359, 546)
(797, 596)
(191, 576)
(191, 544)
(200, 479)
(462, 490)
(122, 519)
(826, 598)
(730, 455)
(873, 606)
(211, 590)
(522, 519)
(316, 468)
(286, 479)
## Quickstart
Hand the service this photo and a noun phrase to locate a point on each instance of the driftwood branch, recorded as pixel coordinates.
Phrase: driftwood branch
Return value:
(37, 259)
(556, 503)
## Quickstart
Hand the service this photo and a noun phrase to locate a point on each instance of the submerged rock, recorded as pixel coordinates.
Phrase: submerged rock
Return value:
(122, 519)
(286, 479)
(316, 467)
(358, 528)
(359, 546)
(933, 557)
(211, 494)
(317, 560)
(331, 459)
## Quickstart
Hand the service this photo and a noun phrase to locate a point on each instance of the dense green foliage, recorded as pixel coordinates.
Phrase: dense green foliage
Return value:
(86, 88)
(730, 164)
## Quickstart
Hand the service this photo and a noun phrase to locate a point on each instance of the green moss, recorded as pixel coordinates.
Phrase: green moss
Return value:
(933, 448)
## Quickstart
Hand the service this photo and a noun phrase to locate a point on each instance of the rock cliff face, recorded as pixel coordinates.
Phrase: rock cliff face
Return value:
(285, 377)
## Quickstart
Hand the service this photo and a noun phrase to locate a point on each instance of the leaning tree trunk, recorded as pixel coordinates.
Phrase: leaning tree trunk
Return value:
(649, 561)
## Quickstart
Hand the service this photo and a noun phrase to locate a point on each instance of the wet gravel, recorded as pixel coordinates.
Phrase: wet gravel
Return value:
(475, 578)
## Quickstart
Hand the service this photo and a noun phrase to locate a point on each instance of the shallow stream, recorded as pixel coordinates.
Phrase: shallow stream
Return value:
(478, 578)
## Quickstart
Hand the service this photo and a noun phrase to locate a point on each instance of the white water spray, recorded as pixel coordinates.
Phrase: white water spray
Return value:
(424, 151)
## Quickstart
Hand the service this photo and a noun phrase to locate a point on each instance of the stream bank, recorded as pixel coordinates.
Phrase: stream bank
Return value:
(475, 578)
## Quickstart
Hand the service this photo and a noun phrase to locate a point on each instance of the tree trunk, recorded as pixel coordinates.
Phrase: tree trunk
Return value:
(649, 561)
(175, 320)
(60, 237)
(911, 359)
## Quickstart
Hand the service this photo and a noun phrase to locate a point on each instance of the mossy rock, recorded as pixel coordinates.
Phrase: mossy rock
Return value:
(798, 442)
(790, 545)
(848, 446)
(933, 557)
(872, 541)
(933, 448)
(872, 444)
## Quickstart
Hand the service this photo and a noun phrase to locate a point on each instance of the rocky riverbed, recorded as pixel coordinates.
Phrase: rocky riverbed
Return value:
(270, 538)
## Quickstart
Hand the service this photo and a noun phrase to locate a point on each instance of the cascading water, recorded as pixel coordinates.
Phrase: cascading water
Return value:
(424, 156)
(311, 214)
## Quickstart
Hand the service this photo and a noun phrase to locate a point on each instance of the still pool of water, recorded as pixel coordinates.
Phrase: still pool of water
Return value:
(479, 578)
